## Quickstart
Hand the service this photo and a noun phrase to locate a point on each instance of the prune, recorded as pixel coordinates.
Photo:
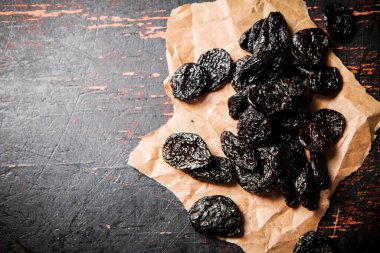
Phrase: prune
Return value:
(310, 47)
(315, 136)
(339, 21)
(313, 242)
(219, 171)
(277, 95)
(291, 121)
(263, 179)
(216, 215)
(319, 168)
(238, 103)
(307, 189)
(218, 64)
(293, 159)
(189, 82)
(326, 81)
(250, 36)
(237, 83)
(333, 120)
(238, 151)
(253, 127)
(186, 151)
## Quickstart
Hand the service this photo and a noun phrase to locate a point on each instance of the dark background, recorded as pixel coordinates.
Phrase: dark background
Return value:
(79, 87)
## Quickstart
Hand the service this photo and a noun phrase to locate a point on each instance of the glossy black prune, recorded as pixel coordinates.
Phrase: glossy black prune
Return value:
(262, 179)
(319, 168)
(218, 64)
(310, 47)
(189, 82)
(339, 21)
(186, 151)
(313, 242)
(238, 103)
(237, 83)
(326, 81)
(307, 189)
(216, 215)
(253, 127)
(250, 36)
(334, 120)
(238, 151)
(219, 171)
(315, 136)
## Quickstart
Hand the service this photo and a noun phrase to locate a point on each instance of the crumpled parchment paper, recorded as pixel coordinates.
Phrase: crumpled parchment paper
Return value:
(270, 226)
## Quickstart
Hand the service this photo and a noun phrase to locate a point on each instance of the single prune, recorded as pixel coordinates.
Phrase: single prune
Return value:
(277, 95)
(218, 64)
(315, 136)
(262, 179)
(237, 83)
(216, 215)
(186, 151)
(326, 81)
(219, 171)
(307, 189)
(238, 151)
(313, 242)
(334, 120)
(339, 21)
(310, 47)
(250, 36)
(253, 127)
(189, 82)
(319, 168)
(238, 103)
(292, 120)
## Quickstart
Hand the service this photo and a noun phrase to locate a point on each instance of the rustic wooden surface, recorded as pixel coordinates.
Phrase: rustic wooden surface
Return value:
(81, 82)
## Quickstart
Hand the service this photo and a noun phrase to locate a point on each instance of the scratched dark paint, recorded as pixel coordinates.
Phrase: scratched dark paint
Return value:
(81, 82)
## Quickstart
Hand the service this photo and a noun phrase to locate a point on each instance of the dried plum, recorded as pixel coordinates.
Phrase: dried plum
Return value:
(218, 64)
(315, 136)
(219, 171)
(262, 179)
(326, 81)
(216, 215)
(310, 47)
(238, 151)
(334, 120)
(238, 103)
(189, 82)
(186, 151)
(253, 127)
(237, 83)
(319, 168)
(339, 21)
(250, 36)
(307, 189)
(313, 242)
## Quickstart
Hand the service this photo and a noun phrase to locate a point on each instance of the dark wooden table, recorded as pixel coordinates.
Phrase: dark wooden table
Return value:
(81, 82)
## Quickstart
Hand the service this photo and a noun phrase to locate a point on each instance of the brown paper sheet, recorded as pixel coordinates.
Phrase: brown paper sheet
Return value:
(270, 226)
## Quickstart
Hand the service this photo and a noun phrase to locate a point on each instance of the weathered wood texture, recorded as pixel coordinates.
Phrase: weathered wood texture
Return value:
(80, 83)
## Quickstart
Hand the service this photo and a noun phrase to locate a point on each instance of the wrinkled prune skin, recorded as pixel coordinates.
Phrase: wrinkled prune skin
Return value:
(313, 242)
(250, 36)
(293, 159)
(277, 95)
(238, 151)
(237, 83)
(253, 127)
(189, 82)
(262, 179)
(238, 103)
(219, 171)
(307, 189)
(334, 120)
(326, 81)
(216, 215)
(319, 168)
(218, 64)
(310, 47)
(339, 21)
(315, 136)
(186, 151)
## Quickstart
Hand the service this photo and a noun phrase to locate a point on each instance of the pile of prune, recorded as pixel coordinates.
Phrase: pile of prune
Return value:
(279, 141)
